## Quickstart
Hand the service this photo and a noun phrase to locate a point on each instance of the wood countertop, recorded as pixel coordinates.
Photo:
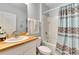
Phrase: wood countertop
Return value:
(5, 45)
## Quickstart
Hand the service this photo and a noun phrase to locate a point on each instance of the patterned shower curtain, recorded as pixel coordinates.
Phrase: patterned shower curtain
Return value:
(68, 30)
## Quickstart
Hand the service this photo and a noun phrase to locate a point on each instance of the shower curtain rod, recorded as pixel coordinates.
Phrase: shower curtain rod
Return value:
(54, 8)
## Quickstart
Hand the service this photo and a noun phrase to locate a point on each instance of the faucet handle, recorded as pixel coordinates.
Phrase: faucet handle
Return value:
(15, 33)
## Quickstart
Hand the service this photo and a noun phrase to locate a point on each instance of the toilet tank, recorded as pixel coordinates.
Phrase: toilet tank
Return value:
(50, 45)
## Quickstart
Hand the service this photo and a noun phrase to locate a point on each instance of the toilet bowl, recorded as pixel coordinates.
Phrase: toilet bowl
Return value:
(43, 50)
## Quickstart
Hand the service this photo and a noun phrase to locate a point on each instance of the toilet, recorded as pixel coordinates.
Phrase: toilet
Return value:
(44, 50)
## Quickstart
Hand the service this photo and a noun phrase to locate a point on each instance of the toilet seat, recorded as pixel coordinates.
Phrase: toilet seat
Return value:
(44, 50)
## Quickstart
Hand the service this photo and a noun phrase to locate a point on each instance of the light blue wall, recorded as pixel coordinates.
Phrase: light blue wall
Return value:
(20, 10)
(34, 12)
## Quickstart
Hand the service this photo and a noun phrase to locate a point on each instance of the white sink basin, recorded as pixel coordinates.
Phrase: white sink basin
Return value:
(20, 38)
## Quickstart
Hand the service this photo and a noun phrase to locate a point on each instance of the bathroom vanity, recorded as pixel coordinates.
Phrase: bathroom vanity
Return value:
(24, 47)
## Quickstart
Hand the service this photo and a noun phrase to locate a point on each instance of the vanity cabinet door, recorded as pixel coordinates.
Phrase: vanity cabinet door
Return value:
(31, 51)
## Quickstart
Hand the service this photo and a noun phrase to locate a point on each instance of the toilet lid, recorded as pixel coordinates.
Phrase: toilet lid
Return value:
(44, 49)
